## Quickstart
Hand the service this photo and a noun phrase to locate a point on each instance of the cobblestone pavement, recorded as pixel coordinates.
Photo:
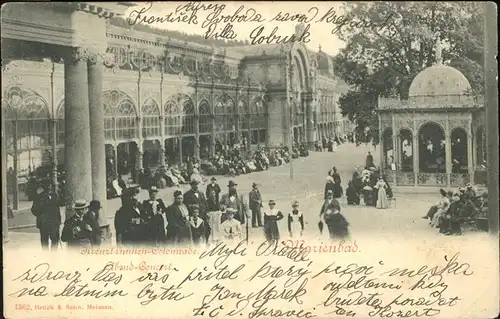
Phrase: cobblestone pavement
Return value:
(307, 187)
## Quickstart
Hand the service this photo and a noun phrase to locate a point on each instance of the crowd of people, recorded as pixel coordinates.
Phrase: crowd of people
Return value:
(455, 209)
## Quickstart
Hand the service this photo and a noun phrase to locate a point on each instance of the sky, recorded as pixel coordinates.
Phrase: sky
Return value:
(320, 32)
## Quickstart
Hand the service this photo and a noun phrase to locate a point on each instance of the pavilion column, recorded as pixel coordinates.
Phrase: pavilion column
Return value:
(309, 121)
(97, 139)
(196, 126)
(416, 167)
(138, 163)
(470, 164)
(447, 138)
(381, 146)
(5, 205)
(77, 129)
(179, 141)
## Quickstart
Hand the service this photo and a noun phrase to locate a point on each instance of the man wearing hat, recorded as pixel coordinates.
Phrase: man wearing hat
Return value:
(235, 201)
(255, 205)
(129, 225)
(48, 216)
(78, 229)
(154, 210)
(213, 186)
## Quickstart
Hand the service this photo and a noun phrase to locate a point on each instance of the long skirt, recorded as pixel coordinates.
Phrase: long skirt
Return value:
(382, 201)
(271, 230)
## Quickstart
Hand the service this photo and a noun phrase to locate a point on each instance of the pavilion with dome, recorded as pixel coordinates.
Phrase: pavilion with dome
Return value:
(436, 136)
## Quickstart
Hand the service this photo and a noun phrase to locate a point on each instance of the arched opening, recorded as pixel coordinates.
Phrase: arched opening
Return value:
(432, 150)
(151, 125)
(459, 159)
(225, 121)
(120, 116)
(406, 150)
(481, 147)
(388, 151)
(205, 128)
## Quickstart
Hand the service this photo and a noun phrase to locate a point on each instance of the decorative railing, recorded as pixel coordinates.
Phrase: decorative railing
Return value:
(405, 178)
(432, 179)
(439, 101)
(459, 179)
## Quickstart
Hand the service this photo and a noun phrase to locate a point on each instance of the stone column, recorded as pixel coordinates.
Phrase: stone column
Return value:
(97, 139)
(309, 121)
(381, 146)
(179, 139)
(5, 211)
(138, 163)
(77, 129)
(162, 155)
(447, 138)
(196, 124)
(470, 165)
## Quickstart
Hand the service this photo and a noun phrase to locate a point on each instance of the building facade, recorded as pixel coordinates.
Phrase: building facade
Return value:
(161, 99)
(436, 137)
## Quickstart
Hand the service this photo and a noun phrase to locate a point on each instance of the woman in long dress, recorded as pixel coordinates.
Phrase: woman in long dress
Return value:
(382, 201)
(271, 218)
(295, 221)
(214, 218)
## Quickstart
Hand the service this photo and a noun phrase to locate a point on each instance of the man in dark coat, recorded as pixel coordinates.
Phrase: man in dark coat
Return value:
(154, 211)
(178, 227)
(213, 186)
(48, 216)
(129, 226)
(236, 201)
(80, 229)
(93, 217)
(255, 205)
(194, 197)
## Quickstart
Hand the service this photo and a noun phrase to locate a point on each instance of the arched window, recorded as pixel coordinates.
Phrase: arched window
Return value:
(172, 118)
(205, 121)
(188, 126)
(120, 116)
(406, 150)
(243, 110)
(219, 116)
(230, 113)
(459, 159)
(126, 120)
(481, 147)
(150, 119)
(432, 150)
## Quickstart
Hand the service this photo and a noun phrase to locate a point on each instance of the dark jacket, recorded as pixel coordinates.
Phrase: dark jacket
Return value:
(255, 199)
(178, 228)
(126, 230)
(80, 230)
(211, 187)
(154, 220)
(190, 199)
(46, 209)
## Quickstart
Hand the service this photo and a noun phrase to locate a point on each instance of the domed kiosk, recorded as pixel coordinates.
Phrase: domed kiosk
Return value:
(436, 136)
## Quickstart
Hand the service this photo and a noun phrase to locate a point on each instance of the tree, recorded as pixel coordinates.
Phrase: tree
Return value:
(382, 60)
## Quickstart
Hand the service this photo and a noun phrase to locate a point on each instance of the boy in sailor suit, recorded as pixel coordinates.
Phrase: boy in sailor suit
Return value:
(197, 226)
(295, 221)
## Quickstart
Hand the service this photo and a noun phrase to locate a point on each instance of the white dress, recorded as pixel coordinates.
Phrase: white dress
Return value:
(231, 228)
(295, 225)
(214, 222)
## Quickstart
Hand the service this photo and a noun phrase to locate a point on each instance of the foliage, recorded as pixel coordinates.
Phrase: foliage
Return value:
(383, 60)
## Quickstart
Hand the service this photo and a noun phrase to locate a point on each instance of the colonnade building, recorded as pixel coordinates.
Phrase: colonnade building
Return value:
(78, 95)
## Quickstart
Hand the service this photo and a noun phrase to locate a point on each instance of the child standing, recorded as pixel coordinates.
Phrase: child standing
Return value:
(295, 221)
(214, 219)
(197, 226)
(271, 218)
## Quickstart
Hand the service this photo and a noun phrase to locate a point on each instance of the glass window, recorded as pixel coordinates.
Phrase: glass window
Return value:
(150, 119)
(220, 115)
(255, 137)
(188, 126)
(262, 136)
(125, 120)
(205, 120)
(243, 115)
(172, 118)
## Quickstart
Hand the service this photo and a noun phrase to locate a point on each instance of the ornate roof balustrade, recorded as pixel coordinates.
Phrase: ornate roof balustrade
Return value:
(432, 102)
